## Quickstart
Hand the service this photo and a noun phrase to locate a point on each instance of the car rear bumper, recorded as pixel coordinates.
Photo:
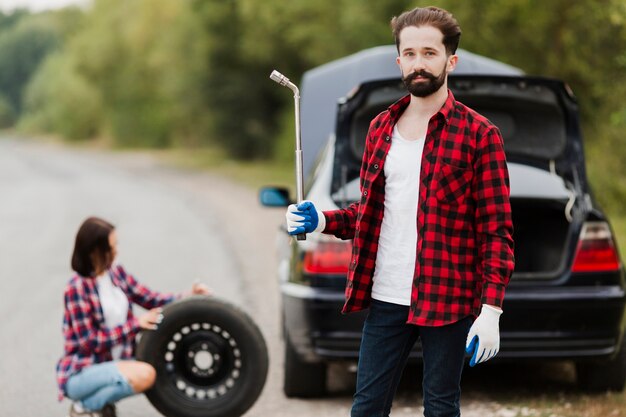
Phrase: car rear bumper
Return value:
(547, 323)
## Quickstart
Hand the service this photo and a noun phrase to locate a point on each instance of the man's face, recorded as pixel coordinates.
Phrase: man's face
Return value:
(423, 60)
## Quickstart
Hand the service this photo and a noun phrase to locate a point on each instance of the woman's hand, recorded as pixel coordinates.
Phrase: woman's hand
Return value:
(199, 288)
(151, 319)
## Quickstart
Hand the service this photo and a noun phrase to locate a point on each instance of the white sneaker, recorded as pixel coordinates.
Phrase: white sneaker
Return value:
(76, 410)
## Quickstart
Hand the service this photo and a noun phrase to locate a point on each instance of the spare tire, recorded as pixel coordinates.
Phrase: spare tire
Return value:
(210, 357)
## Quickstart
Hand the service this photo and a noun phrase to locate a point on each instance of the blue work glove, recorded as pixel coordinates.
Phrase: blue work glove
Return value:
(483, 339)
(304, 218)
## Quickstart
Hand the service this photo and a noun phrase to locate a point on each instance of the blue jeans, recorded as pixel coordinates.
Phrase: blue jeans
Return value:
(385, 346)
(98, 385)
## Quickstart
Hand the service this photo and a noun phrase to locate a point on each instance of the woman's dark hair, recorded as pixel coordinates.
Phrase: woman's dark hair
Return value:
(429, 16)
(92, 251)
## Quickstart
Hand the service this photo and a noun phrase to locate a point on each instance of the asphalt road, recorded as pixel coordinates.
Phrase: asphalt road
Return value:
(174, 227)
(170, 235)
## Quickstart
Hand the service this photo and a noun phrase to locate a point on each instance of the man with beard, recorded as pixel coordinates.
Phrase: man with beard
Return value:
(433, 247)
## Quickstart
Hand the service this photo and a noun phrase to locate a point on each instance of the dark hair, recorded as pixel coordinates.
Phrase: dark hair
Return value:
(92, 251)
(429, 16)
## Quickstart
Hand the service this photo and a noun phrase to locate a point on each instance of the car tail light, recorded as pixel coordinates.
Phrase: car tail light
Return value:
(596, 250)
(328, 257)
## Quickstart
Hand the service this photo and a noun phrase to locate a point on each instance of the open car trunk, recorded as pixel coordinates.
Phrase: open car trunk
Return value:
(542, 230)
(541, 233)
(538, 124)
(543, 223)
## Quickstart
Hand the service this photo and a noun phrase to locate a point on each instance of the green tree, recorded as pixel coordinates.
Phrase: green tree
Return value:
(7, 114)
(236, 91)
(22, 48)
(248, 39)
(8, 20)
(580, 42)
(25, 41)
(137, 56)
(59, 100)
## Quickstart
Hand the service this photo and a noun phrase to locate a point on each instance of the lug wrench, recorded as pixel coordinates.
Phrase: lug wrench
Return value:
(284, 81)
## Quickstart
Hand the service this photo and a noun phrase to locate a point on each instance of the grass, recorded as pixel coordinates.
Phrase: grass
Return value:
(618, 221)
(253, 174)
(573, 405)
(538, 389)
(570, 405)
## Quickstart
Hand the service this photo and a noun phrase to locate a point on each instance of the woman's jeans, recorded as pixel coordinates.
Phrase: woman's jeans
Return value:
(98, 385)
(385, 346)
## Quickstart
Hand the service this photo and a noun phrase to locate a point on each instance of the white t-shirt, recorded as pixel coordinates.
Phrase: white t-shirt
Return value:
(114, 306)
(395, 260)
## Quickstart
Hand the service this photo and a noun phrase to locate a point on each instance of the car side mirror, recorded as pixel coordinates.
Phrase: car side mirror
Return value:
(274, 197)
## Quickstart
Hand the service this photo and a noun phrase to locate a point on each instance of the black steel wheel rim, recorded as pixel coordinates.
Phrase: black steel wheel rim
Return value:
(203, 362)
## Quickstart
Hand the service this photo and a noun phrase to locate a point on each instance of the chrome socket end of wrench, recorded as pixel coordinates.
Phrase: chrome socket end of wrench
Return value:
(279, 78)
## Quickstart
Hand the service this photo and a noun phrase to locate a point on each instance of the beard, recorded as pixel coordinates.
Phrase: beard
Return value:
(425, 88)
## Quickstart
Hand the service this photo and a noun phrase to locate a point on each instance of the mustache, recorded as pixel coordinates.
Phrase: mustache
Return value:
(409, 78)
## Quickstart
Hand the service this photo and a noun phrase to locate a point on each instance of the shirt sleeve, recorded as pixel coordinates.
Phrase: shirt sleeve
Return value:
(144, 296)
(494, 224)
(90, 336)
(342, 222)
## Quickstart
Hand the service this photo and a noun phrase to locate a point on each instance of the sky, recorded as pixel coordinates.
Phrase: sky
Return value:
(8, 6)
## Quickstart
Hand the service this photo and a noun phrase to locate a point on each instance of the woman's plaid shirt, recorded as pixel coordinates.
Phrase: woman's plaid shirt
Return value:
(87, 339)
(464, 253)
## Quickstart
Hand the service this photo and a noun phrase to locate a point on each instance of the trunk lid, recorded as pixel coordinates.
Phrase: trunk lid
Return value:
(538, 119)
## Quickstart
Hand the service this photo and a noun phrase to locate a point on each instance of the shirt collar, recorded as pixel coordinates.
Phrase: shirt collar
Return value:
(396, 109)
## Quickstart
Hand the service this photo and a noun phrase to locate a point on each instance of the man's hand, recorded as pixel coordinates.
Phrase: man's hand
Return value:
(483, 339)
(304, 218)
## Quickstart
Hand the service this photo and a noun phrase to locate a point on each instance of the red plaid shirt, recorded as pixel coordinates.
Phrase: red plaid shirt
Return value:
(87, 339)
(464, 253)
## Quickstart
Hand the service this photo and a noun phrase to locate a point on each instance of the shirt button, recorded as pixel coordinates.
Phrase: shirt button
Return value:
(387, 138)
(365, 193)
(375, 166)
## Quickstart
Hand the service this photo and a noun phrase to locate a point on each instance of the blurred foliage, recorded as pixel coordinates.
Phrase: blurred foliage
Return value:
(8, 20)
(583, 43)
(70, 106)
(7, 113)
(22, 47)
(194, 73)
(128, 62)
(25, 41)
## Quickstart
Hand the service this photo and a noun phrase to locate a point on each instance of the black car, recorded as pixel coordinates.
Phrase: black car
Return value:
(566, 298)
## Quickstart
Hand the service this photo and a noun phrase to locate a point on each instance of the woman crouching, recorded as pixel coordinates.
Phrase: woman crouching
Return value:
(97, 368)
